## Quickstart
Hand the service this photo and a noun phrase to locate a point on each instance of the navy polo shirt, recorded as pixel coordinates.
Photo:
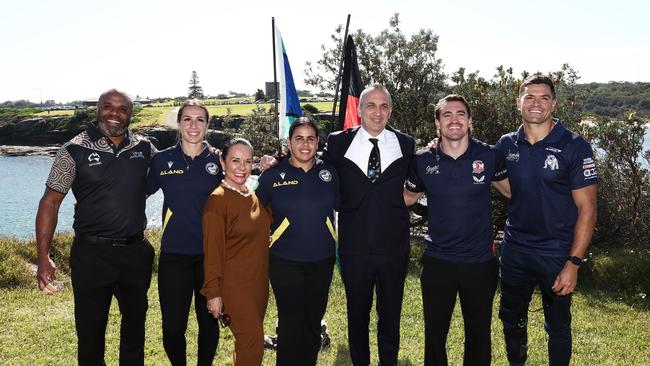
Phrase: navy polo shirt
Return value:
(458, 200)
(303, 205)
(186, 183)
(541, 212)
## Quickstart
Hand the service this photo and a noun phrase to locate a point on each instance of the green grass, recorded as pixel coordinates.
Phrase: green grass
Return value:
(610, 327)
(66, 112)
(150, 117)
(246, 109)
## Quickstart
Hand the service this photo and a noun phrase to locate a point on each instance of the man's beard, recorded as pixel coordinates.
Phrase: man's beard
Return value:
(112, 132)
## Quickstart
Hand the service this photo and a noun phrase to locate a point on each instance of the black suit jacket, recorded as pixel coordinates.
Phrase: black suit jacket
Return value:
(373, 218)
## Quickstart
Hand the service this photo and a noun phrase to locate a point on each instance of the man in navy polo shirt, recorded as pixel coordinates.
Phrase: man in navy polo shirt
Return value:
(551, 218)
(459, 258)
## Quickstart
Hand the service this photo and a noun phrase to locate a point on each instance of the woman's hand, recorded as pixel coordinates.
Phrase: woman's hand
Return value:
(215, 306)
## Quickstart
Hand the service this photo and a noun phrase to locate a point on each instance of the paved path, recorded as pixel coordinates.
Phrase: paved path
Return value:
(170, 120)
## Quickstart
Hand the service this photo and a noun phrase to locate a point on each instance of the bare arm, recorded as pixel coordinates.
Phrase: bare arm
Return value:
(46, 219)
(503, 186)
(411, 197)
(585, 199)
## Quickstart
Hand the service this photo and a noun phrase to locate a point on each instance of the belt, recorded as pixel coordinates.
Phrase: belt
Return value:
(114, 242)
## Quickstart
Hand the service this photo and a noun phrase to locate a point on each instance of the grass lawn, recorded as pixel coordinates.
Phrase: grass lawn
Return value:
(67, 112)
(608, 330)
(150, 117)
(246, 109)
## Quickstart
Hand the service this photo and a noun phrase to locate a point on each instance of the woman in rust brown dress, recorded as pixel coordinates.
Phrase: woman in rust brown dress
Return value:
(236, 246)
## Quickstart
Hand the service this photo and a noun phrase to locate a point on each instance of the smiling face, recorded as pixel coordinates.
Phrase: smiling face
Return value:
(374, 109)
(454, 121)
(237, 165)
(536, 104)
(303, 144)
(193, 125)
(114, 114)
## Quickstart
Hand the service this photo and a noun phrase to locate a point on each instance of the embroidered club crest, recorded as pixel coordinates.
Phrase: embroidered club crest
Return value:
(478, 167)
(325, 175)
(212, 168)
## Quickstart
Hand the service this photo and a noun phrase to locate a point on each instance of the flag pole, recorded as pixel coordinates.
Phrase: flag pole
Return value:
(338, 76)
(275, 87)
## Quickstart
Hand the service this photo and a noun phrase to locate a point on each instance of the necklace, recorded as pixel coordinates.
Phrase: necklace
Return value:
(226, 185)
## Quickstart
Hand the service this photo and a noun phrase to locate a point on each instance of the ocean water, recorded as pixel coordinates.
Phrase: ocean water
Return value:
(22, 183)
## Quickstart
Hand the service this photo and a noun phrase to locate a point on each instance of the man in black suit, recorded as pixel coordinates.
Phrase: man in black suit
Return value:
(372, 162)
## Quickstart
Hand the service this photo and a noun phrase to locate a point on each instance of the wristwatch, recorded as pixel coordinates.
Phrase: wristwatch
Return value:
(575, 260)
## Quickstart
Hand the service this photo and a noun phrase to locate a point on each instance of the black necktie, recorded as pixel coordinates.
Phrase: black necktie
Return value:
(374, 162)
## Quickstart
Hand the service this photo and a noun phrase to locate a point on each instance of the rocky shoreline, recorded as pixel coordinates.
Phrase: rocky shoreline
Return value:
(17, 150)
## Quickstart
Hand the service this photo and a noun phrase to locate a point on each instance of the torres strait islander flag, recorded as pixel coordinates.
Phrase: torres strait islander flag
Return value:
(351, 87)
(289, 103)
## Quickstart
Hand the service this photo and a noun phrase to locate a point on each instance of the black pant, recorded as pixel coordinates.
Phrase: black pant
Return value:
(475, 284)
(301, 290)
(385, 274)
(520, 273)
(98, 273)
(180, 277)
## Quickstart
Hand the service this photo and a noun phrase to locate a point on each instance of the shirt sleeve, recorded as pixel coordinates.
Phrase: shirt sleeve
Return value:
(63, 172)
(214, 245)
(263, 192)
(500, 170)
(582, 167)
(152, 183)
(414, 183)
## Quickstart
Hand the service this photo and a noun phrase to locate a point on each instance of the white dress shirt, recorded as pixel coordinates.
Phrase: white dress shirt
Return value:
(360, 147)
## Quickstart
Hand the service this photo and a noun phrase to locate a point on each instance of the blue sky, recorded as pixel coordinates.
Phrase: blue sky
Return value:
(72, 49)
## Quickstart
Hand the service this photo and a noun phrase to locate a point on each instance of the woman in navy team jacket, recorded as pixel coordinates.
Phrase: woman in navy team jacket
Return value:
(302, 192)
(187, 174)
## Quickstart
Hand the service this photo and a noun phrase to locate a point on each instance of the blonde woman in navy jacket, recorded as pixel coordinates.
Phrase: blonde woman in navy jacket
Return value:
(187, 173)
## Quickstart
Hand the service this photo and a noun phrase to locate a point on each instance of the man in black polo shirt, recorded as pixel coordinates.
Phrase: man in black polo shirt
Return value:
(551, 218)
(105, 166)
(459, 257)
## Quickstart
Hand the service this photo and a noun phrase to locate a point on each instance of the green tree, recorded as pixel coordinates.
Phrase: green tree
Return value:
(259, 94)
(407, 66)
(195, 90)
(260, 128)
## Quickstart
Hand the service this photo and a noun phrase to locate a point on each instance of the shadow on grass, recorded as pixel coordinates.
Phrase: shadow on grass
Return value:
(342, 356)
(620, 275)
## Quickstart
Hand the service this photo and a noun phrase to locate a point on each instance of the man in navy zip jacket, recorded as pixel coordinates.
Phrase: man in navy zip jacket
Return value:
(373, 162)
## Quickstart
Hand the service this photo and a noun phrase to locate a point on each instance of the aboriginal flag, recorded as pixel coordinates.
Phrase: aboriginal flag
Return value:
(351, 87)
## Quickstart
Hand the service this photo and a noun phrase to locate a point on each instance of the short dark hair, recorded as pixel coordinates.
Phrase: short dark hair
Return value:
(113, 91)
(193, 103)
(537, 79)
(452, 98)
(233, 142)
(302, 121)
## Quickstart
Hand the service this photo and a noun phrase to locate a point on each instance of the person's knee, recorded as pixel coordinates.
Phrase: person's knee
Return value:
(513, 312)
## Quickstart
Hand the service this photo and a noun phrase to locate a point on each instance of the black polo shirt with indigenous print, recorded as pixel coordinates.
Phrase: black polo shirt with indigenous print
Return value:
(108, 182)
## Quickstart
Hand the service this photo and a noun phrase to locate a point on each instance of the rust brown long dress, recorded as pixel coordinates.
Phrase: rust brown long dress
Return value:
(236, 246)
